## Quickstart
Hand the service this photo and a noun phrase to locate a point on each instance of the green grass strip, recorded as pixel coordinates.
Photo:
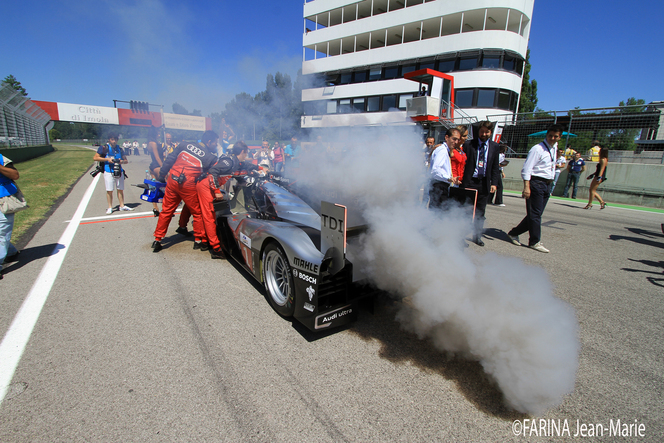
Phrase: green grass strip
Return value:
(608, 204)
(46, 179)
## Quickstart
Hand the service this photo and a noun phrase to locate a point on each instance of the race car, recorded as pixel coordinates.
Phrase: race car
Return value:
(296, 253)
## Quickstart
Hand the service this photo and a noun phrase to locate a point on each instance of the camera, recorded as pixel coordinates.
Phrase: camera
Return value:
(97, 170)
(117, 169)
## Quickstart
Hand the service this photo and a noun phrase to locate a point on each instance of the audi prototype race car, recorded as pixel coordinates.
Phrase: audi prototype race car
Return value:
(296, 253)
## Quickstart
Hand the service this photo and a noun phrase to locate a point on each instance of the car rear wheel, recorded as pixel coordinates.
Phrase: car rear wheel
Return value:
(278, 280)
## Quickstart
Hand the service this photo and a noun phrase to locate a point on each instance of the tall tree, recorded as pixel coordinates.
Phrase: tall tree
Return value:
(11, 81)
(179, 109)
(623, 139)
(528, 100)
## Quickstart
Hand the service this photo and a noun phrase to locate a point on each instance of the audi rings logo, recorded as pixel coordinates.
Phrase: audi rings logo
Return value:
(196, 150)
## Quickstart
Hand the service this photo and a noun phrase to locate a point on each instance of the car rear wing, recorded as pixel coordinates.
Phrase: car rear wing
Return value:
(333, 219)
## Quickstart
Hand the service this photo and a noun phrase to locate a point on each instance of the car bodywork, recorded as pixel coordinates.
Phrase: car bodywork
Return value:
(261, 220)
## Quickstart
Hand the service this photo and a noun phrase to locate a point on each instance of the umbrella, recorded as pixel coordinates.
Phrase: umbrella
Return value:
(543, 133)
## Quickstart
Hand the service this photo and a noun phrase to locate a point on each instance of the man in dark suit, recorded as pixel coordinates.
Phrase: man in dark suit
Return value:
(482, 172)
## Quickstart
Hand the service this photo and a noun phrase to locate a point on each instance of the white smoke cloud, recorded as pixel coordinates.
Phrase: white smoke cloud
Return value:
(490, 308)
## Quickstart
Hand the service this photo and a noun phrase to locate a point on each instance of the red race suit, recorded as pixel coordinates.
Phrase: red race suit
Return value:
(182, 168)
(209, 190)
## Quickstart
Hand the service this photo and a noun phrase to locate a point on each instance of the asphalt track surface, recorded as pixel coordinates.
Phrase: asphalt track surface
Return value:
(136, 346)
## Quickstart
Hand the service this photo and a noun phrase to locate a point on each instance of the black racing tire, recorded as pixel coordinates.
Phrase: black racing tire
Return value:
(278, 278)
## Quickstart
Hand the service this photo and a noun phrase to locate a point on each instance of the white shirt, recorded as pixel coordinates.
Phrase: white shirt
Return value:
(441, 167)
(540, 162)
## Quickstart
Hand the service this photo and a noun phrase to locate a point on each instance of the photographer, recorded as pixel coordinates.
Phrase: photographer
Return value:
(111, 157)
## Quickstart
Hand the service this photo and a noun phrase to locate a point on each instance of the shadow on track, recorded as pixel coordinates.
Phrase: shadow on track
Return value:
(399, 346)
(657, 281)
(31, 254)
(646, 238)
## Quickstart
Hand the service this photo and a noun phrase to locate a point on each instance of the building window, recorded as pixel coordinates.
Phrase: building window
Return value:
(503, 99)
(446, 65)
(360, 77)
(403, 100)
(485, 98)
(332, 107)
(344, 106)
(374, 74)
(346, 78)
(389, 102)
(466, 64)
(509, 63)
(514, 101)
(373, 104)
(491, 61)
(358, 104)
(519, 67)
(391, 72)
(315, 107)
(428, 65)
(406, 69)
(464, 98)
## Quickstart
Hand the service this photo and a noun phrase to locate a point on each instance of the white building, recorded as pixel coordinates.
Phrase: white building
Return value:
(355, 54)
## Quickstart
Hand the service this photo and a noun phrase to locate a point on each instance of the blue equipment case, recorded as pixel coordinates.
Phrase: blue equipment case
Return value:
(155, 191)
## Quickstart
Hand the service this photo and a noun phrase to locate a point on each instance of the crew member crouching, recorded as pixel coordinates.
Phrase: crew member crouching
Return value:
(181, 169)
(209, 186)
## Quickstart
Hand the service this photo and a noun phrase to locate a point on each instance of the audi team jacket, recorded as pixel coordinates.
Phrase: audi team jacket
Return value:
(190, 158)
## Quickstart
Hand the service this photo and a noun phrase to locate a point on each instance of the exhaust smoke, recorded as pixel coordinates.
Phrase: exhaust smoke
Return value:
(494, 309)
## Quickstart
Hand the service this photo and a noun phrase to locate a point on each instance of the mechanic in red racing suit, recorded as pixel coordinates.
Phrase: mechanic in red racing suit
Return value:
(183, 167)
(209, 186)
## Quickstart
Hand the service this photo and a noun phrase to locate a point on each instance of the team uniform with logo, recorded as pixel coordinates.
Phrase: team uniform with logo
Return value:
(182, 168)
(208, 189)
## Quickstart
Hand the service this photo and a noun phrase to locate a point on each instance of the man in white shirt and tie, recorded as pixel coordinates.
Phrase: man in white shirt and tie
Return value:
(537, 173)
(441, 169)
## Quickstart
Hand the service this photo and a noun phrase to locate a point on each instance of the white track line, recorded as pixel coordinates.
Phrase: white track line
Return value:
(17, 336)
(121, 215)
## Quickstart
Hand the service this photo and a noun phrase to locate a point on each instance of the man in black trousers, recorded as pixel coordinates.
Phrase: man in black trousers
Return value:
(537, 173)
(481, 173)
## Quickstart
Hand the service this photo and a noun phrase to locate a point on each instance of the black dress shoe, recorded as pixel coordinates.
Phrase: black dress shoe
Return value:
(478, 241)
(156, 246)
(197, 245)
(183, 231)
(205, 246)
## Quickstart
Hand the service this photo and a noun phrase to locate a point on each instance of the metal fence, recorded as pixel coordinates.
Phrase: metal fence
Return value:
(629, 132)
(22, 123)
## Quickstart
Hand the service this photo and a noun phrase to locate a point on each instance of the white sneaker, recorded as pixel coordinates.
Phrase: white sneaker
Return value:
(109, 211)
(515, 239)
(502, 204)
(126, 208)
(539, 247)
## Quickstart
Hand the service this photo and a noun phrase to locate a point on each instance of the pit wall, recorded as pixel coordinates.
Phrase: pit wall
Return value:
(18, 155)
(626, 183)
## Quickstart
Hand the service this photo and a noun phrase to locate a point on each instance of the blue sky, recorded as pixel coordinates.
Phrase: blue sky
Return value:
(200, 54)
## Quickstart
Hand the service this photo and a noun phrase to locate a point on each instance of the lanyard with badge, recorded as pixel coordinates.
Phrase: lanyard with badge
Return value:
(553, 163)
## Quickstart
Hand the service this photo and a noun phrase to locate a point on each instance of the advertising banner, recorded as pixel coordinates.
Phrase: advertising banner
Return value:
(87, 114)
(188, 122)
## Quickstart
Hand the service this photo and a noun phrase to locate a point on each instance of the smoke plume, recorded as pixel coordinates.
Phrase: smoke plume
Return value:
(490, 308)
